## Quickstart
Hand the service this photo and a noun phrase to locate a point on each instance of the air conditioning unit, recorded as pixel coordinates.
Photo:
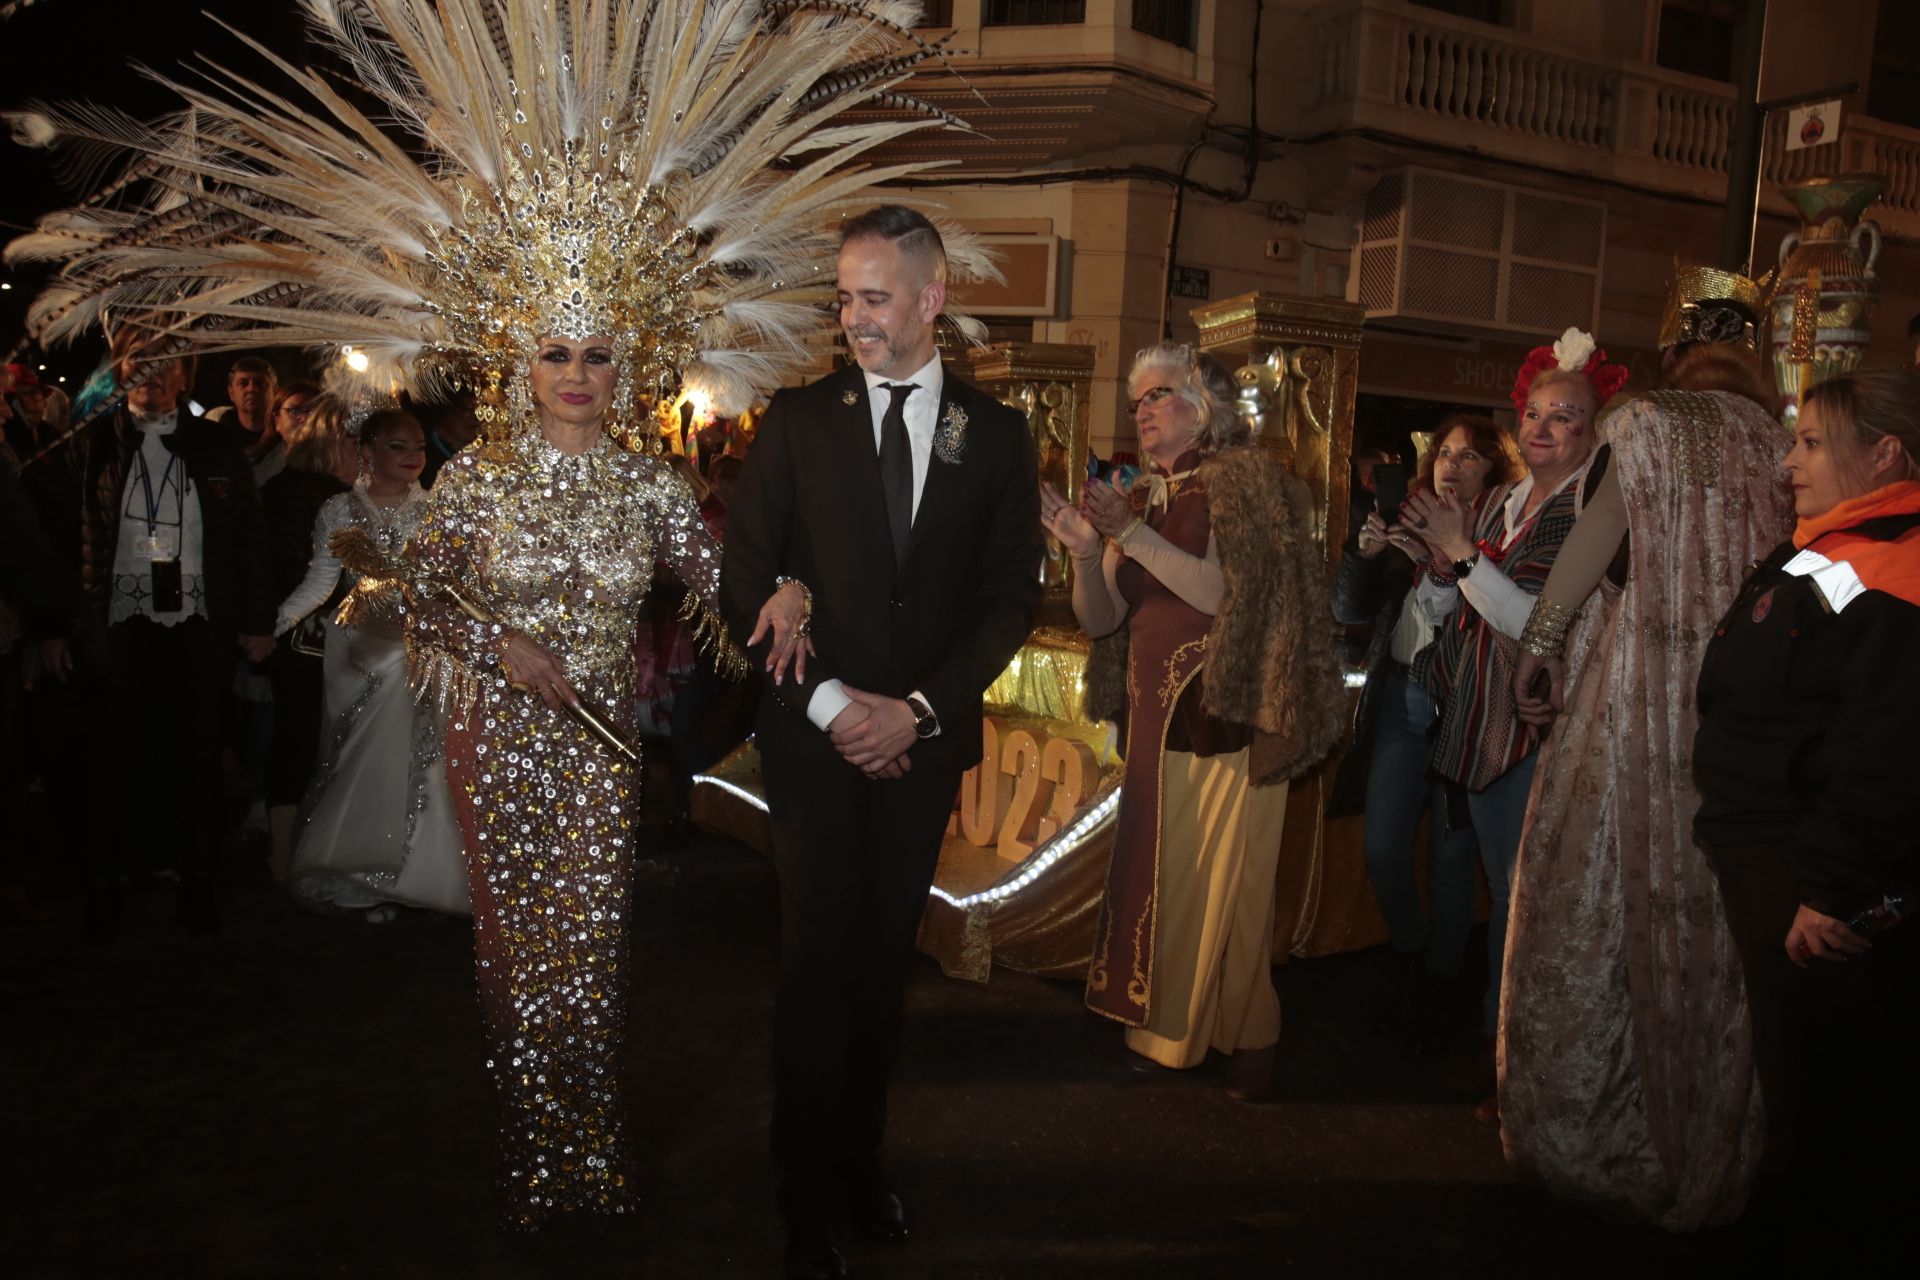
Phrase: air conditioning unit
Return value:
(1466, 254)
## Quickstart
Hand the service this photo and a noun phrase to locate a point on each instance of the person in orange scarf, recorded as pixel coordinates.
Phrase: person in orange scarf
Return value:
(1809, 699)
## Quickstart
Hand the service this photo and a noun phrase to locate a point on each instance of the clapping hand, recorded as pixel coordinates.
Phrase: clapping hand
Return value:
(781, 615)
(1107, 507)
(1068, 523)
(874, 733)
(1376, 535)
(1441, 523)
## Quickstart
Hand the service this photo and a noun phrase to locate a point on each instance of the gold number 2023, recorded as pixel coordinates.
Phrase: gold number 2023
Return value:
(1026, 787)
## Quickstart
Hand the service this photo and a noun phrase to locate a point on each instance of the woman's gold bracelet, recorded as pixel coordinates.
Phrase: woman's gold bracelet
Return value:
(1547, 626)
(806, 602)
(1126, 530)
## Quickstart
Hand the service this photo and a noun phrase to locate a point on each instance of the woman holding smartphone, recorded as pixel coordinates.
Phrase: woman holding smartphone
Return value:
(1470, 454)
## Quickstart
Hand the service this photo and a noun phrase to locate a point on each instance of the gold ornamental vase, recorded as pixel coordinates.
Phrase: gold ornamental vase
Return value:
(1823, 301)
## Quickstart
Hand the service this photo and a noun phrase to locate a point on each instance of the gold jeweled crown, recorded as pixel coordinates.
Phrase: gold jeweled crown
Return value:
(1706, 304)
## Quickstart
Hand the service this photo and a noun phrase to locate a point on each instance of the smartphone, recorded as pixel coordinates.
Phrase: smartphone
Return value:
(1389, 489)
(168, 593)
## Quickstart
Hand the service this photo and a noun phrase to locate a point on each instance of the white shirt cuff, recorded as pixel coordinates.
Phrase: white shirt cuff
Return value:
(828, 701)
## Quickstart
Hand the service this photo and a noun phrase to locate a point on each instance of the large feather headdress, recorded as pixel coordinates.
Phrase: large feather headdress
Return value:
(662, 172)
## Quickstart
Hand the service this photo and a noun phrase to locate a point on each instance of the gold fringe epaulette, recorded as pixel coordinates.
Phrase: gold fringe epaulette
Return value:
(711, 638)
(437, 676)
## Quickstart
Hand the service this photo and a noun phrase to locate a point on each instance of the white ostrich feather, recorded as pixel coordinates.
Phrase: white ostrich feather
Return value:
(274, 211)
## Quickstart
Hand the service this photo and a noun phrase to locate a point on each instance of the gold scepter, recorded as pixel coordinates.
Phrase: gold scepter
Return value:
(383, 574)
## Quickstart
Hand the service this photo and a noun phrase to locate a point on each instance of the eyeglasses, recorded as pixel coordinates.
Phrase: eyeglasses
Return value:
(1152, 395)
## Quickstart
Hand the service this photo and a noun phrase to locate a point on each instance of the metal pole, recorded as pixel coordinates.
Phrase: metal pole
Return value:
(1749, 136)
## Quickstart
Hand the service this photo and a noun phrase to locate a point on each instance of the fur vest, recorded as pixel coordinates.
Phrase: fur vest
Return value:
(1272, 660)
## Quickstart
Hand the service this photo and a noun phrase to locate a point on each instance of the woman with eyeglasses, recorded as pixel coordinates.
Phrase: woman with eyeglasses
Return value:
(1214, 649)
(292, 406)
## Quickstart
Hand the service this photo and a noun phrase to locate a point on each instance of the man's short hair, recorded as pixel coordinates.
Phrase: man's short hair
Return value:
(251, 364)
(907, 228)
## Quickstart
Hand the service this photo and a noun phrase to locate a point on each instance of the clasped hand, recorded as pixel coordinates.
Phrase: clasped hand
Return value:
(873, 733)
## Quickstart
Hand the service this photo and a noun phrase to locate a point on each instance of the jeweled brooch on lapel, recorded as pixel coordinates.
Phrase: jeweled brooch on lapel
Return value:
(950, 438)
(849, 397)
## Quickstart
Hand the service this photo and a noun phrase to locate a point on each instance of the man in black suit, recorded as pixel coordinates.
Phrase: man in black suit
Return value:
(907, 504)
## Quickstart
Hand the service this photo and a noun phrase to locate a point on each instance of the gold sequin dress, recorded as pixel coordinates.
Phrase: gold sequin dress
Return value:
(561, 548)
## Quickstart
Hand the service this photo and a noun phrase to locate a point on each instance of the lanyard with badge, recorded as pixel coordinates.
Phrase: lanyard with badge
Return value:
(163, 562)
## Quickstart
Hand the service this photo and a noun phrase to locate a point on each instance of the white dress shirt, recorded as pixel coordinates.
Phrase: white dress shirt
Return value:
(177, 525)
(922, 413)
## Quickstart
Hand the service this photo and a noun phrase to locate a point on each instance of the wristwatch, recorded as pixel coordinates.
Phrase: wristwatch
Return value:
(925, 723)
(1461, 568)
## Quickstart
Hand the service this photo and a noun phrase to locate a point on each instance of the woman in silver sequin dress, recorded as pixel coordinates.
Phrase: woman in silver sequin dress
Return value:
(376, 826)
(555, 530)
(606, 196)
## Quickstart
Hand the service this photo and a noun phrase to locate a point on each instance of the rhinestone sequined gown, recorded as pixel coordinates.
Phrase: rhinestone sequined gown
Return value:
(562, 549)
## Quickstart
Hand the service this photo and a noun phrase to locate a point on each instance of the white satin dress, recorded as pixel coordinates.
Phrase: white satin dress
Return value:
(376, 825)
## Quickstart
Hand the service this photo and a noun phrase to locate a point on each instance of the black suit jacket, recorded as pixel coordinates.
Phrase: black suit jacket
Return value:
(946, 622)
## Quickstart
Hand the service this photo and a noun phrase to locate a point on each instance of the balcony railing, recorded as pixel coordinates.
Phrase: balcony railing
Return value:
(1390, 67)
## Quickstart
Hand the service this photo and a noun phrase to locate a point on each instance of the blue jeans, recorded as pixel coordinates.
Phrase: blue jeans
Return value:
(1399, 788)
(1499, 814)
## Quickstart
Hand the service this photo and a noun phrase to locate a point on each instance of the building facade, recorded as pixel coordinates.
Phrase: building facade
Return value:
(1478, 173)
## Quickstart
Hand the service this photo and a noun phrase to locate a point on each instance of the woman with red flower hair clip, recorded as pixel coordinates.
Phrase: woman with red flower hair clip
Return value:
(1486, 568)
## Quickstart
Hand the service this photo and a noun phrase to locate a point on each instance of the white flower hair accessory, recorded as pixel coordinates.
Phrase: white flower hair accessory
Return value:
(1575, 348)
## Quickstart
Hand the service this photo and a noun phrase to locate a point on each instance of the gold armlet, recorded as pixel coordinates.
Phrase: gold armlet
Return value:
(1547, 626)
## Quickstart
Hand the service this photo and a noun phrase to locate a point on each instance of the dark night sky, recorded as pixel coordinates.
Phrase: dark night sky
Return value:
(68, 50)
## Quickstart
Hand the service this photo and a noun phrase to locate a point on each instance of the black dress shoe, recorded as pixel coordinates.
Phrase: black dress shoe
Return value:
(811, 1255)
(877, 1213)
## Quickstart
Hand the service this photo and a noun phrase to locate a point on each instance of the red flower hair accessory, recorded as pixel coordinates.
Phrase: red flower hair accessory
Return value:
(1575, 352)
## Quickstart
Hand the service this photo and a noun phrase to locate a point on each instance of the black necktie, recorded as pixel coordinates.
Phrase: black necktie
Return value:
(896, 466)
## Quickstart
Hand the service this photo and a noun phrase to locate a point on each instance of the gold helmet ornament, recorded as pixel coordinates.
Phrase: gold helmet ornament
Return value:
(1706, 304)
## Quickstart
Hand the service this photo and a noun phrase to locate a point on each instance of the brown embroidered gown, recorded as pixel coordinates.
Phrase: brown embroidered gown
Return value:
(1185, 939)
(560, 548)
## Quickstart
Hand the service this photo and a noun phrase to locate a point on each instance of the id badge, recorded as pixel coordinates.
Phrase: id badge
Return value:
(152, 547)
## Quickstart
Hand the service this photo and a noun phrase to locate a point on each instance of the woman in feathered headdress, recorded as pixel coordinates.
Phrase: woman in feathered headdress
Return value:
(584, 201)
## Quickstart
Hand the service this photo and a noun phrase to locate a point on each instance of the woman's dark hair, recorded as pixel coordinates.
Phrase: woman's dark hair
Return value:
(382, 423)
(1490, 440)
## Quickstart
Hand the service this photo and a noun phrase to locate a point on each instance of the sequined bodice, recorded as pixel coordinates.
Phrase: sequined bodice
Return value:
(562, 547)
